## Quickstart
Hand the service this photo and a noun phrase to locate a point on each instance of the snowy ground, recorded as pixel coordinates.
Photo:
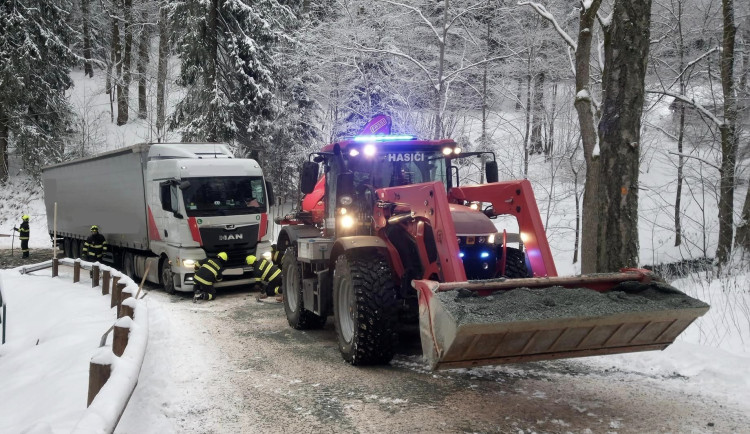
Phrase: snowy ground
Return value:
(198, 356)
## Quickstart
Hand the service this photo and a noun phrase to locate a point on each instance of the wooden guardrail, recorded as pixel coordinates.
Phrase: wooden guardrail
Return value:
(130, 313)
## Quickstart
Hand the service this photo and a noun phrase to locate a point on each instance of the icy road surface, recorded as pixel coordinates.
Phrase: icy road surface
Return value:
(234, 365)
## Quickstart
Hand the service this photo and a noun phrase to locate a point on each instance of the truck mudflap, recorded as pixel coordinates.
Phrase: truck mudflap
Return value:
(465, 324)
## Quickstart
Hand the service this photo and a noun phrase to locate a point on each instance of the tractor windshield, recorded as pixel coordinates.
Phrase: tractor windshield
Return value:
(398, 168)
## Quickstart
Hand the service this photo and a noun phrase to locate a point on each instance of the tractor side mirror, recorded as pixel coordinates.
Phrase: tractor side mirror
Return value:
(269, 192)
(490, 169)
(345, 188)
(308, 177)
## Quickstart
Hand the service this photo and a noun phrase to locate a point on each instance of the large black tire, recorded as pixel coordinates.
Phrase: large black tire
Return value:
(128, 265)
(167, 277)
(291, 286)
(365, 309)
(515, 264)
(67, 247)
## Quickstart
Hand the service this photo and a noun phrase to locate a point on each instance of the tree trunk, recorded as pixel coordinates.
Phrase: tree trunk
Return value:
(212, 48)
(4, 131)
(528, 122)
(86, 18)
(625, 63)
(587, 122)
(549, 146)
(143, 45)
(161, 74)
(537, 147)
(124, 90)
(728, 139)
(116, 54)
(743, 229)
(680, 135)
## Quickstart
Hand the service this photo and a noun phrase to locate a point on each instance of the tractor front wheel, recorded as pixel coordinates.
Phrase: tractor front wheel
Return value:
(364, 309)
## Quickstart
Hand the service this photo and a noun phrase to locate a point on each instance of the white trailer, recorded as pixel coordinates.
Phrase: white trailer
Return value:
(162, 205)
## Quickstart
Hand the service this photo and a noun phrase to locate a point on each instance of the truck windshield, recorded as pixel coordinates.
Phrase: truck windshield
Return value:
(400, 168)
(230, 195)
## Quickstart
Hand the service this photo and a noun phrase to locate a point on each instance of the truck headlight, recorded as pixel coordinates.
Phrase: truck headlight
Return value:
(347, 222)
(188, 263)
(266, 255)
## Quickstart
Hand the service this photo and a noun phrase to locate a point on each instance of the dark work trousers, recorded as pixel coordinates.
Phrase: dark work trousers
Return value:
(205, 289)
(25, 248)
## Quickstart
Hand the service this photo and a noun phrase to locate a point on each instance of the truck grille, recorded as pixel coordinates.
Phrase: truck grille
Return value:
(237, 242)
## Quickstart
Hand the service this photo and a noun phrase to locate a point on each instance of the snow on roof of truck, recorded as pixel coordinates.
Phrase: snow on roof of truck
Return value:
(178, 150)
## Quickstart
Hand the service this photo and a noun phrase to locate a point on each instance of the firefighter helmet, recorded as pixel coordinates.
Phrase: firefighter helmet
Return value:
(94, 228)
(25, 217)
(223, 256)
(250, 260)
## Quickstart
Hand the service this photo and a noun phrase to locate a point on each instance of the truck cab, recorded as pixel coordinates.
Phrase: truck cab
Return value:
(202, 201)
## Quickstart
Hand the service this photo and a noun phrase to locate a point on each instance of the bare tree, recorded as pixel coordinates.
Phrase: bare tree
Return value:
(625, 65)
(728, 138)
(161, 74)
(143, 48)
(587, 116)
(123, 91)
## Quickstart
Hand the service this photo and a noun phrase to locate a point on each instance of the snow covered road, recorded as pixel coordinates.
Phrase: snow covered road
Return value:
(234, 365)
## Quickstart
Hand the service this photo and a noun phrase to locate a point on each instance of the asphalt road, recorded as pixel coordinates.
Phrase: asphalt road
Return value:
(243, 369)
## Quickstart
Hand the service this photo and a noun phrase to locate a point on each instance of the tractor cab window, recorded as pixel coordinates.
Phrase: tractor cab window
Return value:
(396, 169)
(231, 195)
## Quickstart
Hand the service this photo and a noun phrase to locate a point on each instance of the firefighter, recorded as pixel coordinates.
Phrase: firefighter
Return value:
(95, 246)
(268, 273)
(208, 271)
(276, 255)
(23, 234)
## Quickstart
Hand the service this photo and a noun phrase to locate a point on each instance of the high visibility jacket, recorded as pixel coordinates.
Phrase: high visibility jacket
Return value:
(209, 271)
(94, 247)
(23, 231)
(269, 273)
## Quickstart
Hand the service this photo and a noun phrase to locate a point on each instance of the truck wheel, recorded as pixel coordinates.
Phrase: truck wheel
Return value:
(291, 285)
(515, 264)
(364, 309)
(77, 247)
(128, 265)
(167, 277)
(66, 247)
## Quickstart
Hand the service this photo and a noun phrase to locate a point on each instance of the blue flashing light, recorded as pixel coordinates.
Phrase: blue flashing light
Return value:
(461, 254)
(484, 255)
(383, 138)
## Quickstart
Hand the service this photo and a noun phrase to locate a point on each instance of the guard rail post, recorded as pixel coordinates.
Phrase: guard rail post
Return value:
(76, 271)
(95, 276)
(100, 369)
(105, 282)
(55, 266)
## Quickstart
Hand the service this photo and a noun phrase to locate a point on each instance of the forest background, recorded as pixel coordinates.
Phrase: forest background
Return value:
(585, 92)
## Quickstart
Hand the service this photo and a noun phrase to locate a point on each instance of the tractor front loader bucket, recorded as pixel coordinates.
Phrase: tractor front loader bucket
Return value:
(464, 324)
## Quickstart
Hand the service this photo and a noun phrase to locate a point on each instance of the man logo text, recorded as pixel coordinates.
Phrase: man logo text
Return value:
(230, 237)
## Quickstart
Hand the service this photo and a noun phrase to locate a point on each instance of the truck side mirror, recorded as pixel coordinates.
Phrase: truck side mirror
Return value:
(184, 185)
(165, 196)
(490, 169)
(269, 192)
(308, 177)
(345, 187)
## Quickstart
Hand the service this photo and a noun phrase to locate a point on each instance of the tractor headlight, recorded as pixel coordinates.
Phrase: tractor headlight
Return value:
(369, 150)
(345, 200)
(491, 239)
(347, 222)
(456, 150)
(353, 153)
(474, 206)
(481, 240)
(447, 151)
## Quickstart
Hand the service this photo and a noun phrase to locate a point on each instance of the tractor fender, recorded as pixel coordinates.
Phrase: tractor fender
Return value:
(290, 234)
(363, 244)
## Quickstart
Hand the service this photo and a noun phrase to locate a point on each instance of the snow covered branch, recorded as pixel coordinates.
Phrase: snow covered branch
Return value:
(691, 64)
(704, 111)
(702, 160)
(541, 10)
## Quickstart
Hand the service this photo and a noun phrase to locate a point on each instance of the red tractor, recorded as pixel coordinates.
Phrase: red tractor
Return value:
(387, 232)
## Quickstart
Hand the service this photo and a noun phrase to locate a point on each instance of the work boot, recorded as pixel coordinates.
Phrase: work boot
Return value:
(197, 296)
(261, 296)
(280, 298)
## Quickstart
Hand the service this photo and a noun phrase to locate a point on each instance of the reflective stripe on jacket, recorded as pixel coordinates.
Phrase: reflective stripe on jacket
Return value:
(209, 271)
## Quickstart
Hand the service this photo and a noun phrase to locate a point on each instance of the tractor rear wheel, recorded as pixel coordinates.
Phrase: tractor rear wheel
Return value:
(291, 286)
(364, 309)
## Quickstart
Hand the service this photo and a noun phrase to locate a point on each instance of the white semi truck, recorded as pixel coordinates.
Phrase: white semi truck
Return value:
(162, 207)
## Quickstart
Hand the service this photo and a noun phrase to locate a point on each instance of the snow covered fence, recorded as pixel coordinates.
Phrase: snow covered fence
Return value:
(116, 368)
